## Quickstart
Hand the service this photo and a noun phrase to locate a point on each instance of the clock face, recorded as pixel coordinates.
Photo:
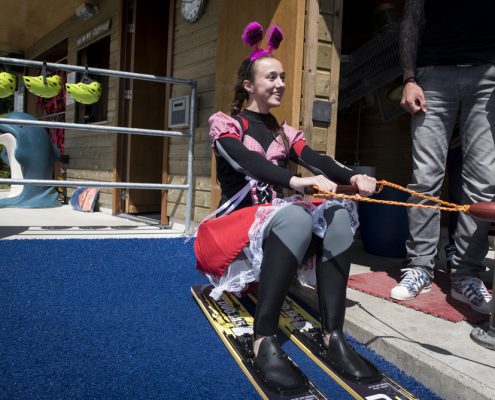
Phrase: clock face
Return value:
(191, 10)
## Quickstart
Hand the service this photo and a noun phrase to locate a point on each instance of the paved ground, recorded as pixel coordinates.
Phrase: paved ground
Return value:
(438, 353)
(64, 223)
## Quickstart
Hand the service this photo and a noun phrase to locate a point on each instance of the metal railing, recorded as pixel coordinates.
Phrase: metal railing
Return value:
(114, 129)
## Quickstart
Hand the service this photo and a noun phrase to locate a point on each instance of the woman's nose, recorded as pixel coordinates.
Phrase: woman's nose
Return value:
(280, 83)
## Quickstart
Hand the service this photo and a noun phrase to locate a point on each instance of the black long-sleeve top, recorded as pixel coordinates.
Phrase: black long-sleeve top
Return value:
(261, 154)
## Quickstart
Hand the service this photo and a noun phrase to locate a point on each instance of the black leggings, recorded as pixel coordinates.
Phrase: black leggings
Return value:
(287, 240)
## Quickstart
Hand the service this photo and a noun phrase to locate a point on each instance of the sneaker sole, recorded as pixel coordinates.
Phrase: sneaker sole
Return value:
(424, 290)
(462, 299)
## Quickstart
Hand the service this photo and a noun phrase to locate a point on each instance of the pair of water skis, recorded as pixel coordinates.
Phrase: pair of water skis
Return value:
(234, 325)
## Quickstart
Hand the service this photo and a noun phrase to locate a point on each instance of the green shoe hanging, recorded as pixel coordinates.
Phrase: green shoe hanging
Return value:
(7, 84)
(86, 92)
(43, 86)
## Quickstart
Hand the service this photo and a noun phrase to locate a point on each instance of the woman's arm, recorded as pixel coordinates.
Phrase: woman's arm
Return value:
(252, 164)
(332, 169)
(321, 164)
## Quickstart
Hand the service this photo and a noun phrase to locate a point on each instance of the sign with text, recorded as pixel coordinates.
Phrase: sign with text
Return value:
(95, 32)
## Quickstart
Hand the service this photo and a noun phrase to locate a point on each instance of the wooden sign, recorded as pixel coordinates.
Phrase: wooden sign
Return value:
(98, 30)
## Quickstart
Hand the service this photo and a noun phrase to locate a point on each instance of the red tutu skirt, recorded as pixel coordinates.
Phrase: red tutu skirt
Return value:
(220, 240)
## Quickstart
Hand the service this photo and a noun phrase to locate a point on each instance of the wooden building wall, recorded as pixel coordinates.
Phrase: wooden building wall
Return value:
(91, 154)
(194, 57)
(321, 71)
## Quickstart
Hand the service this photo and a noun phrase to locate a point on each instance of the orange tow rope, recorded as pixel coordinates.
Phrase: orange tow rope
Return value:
(446, 205)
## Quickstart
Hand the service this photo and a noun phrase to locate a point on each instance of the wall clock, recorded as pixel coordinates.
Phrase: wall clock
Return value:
(192, 10)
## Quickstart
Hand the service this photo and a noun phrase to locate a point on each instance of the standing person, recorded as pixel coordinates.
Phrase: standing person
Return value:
(252, 152)
(448, 52)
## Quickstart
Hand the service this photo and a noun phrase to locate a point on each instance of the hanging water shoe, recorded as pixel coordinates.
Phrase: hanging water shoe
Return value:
(42, 86)
(275, 368)
(85, 93)
(7, 84)
(344, 358)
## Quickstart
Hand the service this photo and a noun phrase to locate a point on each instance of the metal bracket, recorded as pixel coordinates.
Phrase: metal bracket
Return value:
(322, 111)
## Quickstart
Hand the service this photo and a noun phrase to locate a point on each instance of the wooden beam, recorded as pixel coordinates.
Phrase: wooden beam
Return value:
(335, 74)
(310, 57)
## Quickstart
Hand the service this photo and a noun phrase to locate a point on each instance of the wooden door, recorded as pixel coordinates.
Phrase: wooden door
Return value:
(147, 100)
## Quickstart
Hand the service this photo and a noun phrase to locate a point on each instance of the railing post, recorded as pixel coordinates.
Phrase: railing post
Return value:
(190, 158)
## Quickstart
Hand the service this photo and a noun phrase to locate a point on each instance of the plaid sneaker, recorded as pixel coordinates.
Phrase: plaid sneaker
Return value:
(472, 291)
(414, 281)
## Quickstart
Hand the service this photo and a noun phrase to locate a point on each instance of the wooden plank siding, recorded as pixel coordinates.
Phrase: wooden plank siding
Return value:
(91, 154)
(194, 57)
(321, 70)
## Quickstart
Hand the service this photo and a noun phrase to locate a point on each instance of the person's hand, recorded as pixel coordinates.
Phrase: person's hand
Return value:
(413, 98)
(306, 184)
(365, 184)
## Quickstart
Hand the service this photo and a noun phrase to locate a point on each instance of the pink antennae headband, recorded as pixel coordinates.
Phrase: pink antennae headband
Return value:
(253, 34)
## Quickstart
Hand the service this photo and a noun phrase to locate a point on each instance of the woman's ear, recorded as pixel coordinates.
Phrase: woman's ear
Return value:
(248, 86)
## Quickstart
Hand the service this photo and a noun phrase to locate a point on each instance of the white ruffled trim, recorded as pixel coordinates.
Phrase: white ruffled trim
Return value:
(246, 266)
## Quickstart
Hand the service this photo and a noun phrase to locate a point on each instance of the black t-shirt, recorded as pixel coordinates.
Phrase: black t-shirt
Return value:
(458, 32)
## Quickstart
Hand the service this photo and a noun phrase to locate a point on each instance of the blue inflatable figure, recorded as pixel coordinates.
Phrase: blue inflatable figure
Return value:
(30, 154)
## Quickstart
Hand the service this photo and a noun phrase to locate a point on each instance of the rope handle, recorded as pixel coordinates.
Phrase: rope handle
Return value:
(350, 192)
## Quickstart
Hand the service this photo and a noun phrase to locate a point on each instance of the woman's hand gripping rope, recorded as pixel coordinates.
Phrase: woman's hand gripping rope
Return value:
(366, 185)
(308, 184)
(361, 185)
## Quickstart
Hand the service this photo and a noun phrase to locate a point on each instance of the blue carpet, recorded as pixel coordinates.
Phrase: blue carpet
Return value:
(114, 319)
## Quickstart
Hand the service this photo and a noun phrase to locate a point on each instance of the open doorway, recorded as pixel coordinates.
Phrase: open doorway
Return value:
(140, 158)
(373, 130)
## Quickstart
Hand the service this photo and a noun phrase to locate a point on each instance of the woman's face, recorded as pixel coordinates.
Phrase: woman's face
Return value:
(268, 85)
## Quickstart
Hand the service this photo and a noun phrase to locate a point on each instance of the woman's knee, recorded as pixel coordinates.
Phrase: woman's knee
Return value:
(339, 235)
(293, 225)
(294, 217)
(338, 217)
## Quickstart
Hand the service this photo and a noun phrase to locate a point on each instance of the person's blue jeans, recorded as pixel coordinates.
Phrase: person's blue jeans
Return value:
(466, 92)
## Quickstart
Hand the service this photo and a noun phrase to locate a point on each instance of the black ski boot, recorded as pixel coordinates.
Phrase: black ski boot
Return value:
(348, 362)
(277, 372)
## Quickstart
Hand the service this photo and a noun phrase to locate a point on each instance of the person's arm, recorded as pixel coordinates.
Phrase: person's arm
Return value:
(320, 164)
(323, 165)
(413, 98)
(252, 164)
